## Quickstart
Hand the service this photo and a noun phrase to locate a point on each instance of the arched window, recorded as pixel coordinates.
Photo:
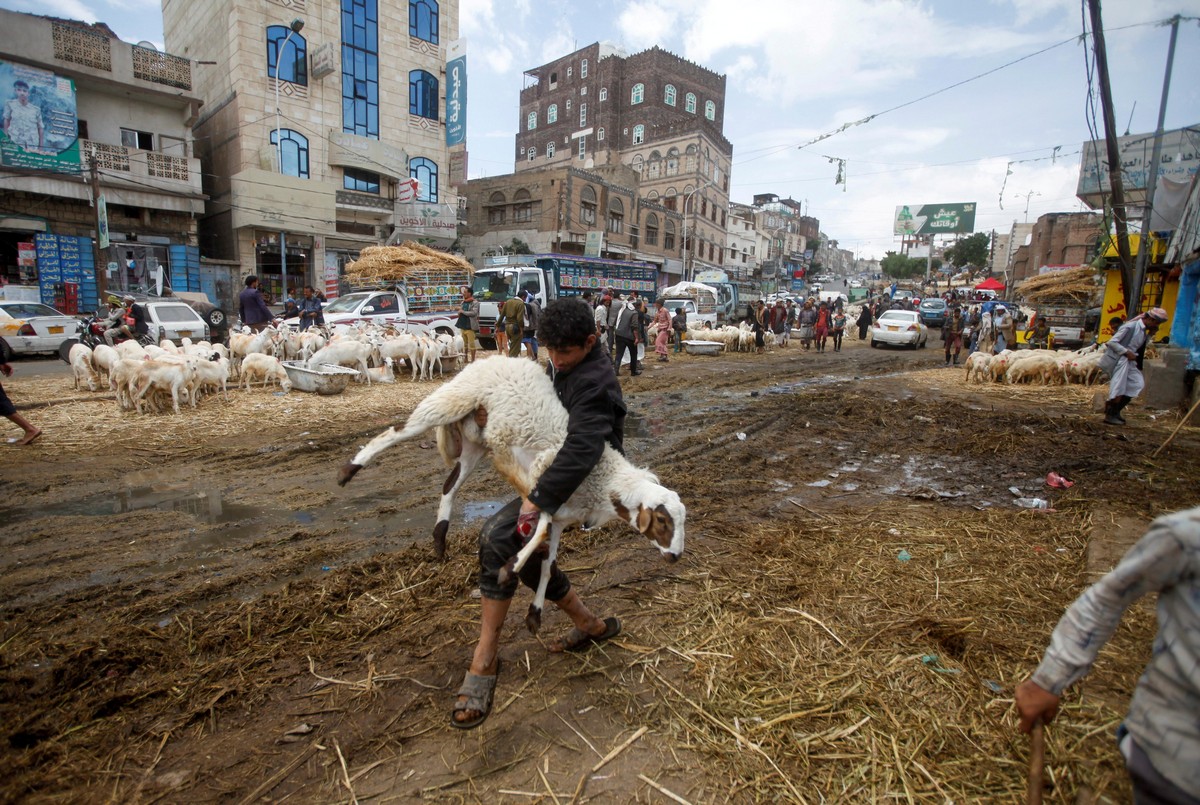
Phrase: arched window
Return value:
(654, 164)
(638, 163)
(600, 133)
(651, 230)
(551, 114)
(550, 149)
(652, 195)
(422, 94)
(673, 162)
(689, 103)
(425, 171)
(710, 110)
(637, 94)
(522, 207)
(669, 95)
(423, 20)
(294, 59)
(531, 121)
(689, 161)
(616, 215)
(587, 205)
(669, 236)
(532, 153)
(293, 150)
(604, 93)
(496, 208)
(670, 197)
(639, 134)
(568, 104)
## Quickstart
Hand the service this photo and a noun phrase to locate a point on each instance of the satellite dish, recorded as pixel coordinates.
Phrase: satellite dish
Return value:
(147, 45)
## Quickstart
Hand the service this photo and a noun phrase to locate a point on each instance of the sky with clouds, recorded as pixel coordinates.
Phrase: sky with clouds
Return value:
(799, 69)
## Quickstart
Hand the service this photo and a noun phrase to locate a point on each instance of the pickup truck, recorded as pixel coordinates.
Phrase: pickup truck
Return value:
(698, 300)
(385, 307)
(1071, 326)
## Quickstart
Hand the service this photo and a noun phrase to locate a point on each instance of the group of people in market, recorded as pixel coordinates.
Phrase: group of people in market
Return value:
(255, 314)
(818, 323)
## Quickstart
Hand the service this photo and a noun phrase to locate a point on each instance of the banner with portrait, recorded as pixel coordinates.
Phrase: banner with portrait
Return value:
(39, 128)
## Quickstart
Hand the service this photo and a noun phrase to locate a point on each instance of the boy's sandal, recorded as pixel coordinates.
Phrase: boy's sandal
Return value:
(479, 690)
(577, 640)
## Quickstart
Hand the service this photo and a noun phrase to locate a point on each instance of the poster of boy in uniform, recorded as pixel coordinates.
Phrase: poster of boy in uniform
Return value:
(38, 127)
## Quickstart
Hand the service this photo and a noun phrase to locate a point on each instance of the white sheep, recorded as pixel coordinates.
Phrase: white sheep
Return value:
(267, 368)
(104, 357)
(173, 376)
(977, 367)
(344, 352)
(526, 426)
(83, 366)
(383, 374)
(211, 372)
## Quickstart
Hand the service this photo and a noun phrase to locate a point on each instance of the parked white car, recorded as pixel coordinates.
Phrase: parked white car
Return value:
(31, 327)
(901, 327)
(175, 321)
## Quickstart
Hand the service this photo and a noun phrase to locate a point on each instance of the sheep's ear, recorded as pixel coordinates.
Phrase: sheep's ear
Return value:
(644, 517)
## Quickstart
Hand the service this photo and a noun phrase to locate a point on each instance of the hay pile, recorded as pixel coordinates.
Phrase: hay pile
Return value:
(396, 263)
(1075, 286)
(829, 670)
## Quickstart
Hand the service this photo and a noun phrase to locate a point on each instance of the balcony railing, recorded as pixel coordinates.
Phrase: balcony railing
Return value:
(161, 68)
(161, 172)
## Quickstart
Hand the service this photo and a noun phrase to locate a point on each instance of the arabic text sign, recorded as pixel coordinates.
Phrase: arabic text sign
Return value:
(934, 219)
(456, 101)
(1178, 162)
(41, 130)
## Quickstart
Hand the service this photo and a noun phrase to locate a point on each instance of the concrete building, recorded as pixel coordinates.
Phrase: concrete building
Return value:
(1004, 246)
(553, 208)
(743, 241)
(94, 105)
(657, 114)
(1058, 239)
(303, 186)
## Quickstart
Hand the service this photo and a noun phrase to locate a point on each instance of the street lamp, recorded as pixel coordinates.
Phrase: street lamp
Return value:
(1028, 196)
(686, 197)
(296, 26)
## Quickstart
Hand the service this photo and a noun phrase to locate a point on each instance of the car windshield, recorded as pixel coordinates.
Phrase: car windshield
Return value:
(175, 313)
(899, 315)
(933, 304)
(24, 310)
(493, 285)
(345, 304)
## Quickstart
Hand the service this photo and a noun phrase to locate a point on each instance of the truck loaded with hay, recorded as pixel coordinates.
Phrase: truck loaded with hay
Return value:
(1066, 299)
(412, 287)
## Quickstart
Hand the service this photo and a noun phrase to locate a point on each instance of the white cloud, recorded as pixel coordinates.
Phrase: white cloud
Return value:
(69, 9)
(642, 22)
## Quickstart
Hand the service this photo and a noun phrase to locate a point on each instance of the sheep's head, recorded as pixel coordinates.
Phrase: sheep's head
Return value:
(658, 513)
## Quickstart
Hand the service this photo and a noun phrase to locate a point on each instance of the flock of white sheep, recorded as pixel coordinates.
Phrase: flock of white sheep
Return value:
(1045, 366)
(158, 378)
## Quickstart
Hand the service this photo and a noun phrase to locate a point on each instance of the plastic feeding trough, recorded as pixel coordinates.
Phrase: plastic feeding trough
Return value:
(325, 379)
(703, 347)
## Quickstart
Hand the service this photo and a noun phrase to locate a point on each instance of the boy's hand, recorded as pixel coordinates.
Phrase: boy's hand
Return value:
(1034, 702)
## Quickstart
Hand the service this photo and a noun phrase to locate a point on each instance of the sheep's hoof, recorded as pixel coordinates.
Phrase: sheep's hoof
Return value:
(533, 619)
(439, 539)
(347, 472)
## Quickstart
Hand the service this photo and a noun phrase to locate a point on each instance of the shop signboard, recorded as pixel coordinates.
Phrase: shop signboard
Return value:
(456, 98)
(42, 130)
(1178, 161)
(934, 219)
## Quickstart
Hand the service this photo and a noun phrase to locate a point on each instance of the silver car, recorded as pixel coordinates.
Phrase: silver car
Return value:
(174, 321)
(901, 327)
(29, 327)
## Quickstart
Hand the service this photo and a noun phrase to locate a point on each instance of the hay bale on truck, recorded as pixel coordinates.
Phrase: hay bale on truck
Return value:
(1063, 298)
(698, 300)
(412, 287)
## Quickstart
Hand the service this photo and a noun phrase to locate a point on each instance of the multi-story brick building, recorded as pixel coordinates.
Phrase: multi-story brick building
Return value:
(657, 114)
(94, 105)
(300, 187)
(1060, 238)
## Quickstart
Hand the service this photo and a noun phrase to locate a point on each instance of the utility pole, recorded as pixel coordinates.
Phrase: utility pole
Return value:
(1114, 158)
(1139, 277)
(97, 255)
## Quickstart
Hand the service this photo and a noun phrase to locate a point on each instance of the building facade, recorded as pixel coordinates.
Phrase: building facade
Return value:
(92, 116)
(1058, 239)
(353, 153)
(659, 115)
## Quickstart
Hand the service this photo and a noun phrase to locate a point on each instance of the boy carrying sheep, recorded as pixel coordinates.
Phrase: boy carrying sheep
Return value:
(587, 386)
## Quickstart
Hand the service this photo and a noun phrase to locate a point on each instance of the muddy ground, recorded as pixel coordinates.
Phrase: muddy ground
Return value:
(191, 610)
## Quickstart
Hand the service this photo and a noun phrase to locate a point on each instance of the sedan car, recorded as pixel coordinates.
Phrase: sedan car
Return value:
(29, 327)
(902, 327)
(933, 312)
(174, 321)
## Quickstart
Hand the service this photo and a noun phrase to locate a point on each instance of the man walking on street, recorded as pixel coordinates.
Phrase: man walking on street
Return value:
(468, 321)
(626, 336)
(251, 308)
(512, 322)
(1122, 361)
(952, 334)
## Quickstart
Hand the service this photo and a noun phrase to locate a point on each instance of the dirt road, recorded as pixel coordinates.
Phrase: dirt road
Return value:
(192, 610)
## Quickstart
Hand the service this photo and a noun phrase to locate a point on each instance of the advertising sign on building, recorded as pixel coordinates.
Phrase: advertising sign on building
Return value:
(324, 60)
(594, 243)
(102, 221)
(458, 167)
(1178, 161)
(456, 98)
(40, 130)
(934, 219)
(419, 220)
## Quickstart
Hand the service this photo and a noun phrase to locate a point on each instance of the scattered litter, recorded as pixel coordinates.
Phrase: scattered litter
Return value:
(295, 734)
(476, 594)
(1057, 481)
(1032, 503)
(1061, 550)
(904, 555)
(326, 568)
(1015, 490)
(821, 483)
(741, 437)
(281, 394)
(936, 664)
(164, 623)
(895, 532)
(920, 418)
(994, 687)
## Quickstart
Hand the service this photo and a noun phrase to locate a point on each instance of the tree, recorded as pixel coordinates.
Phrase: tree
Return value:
(971, 250)
(901, 267)
(519, 246)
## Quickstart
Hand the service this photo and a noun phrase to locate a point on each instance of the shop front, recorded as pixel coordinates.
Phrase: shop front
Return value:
(278, 269)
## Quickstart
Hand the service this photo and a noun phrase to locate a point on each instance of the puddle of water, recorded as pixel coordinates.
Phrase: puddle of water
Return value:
(824, 482)
(638, 426)
(205, 504)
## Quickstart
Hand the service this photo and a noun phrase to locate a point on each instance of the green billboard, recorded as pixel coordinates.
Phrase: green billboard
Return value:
(934, 219)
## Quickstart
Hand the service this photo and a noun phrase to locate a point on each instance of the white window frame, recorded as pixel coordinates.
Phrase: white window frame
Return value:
(637, 94)
(689, 103)
(532, 154)
(582, 115)
(583, 69)
(531, 121)
(600, 133)
(569, 70)
(669, 94)
(550, 150)
(552, 114)
(582, 147)
(710, 110)
(604, 93)
(639, 134)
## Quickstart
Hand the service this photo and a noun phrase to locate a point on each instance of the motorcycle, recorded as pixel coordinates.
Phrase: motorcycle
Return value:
(91, 334)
